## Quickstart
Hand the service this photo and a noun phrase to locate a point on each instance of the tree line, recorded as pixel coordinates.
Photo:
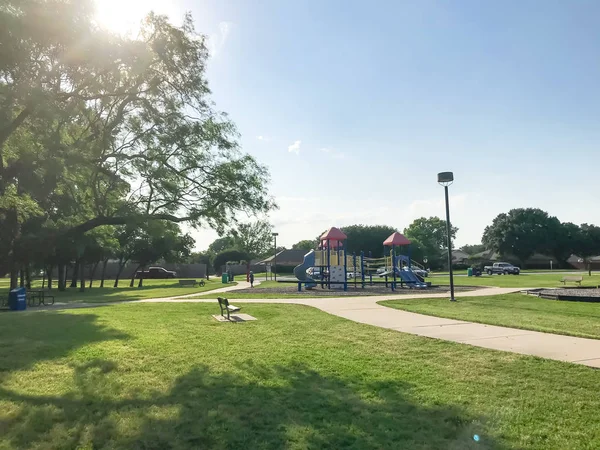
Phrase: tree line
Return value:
(105, 138)
(518, 234)
(524, 231)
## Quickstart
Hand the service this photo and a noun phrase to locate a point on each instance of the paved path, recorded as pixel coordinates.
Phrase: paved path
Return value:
(366, 310)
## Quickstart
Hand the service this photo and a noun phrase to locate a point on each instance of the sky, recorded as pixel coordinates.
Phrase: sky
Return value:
(356, 106)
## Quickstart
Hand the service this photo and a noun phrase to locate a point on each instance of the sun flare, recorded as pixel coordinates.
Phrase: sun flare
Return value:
(125, 16)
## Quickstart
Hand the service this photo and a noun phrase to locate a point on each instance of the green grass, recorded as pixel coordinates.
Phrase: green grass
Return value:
(513, 310)
(158, 376)
(150, 289)
(524, 280)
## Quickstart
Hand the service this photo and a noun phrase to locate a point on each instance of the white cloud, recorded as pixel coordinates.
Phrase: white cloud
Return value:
(295, 147)
(264, 138)
(216, 41)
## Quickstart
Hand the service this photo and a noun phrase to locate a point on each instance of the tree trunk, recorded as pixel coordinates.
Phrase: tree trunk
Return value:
(62, 282)
(14, 277)
(82, 277)
(94, 267)
(74, 275)
(43, 278)
(49, 276)
(141, 282)
(133, 276)
(28, 277)
(121, 267)
(103, 272)
(589, 268)
(22, 277)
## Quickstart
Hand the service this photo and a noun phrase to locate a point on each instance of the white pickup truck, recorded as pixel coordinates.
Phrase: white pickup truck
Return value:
(502, 268)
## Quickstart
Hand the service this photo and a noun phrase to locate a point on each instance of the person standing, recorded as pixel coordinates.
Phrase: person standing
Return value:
(251, 279)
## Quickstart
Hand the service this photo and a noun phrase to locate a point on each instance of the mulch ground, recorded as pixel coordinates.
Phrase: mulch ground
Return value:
(573, 292)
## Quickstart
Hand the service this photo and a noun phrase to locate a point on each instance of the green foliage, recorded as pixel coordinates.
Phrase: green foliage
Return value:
(102, 130)
(367, 238)
(522, 232)
(429, 239)
(306, 244)
(221, 244)
(473, 249)
(254, 238)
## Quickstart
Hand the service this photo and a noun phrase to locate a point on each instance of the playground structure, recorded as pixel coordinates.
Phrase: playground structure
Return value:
(328, 265)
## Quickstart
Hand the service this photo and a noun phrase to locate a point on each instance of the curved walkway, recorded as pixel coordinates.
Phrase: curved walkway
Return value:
(367, 310)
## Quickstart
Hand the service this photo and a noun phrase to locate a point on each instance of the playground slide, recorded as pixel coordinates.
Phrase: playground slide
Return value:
(300, 270)
(409, 277)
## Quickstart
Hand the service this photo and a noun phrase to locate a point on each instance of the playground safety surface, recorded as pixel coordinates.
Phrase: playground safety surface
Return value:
(352, 291)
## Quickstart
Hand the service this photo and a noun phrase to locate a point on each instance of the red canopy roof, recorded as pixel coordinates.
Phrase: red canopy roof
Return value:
(334, 234)
(396, 239)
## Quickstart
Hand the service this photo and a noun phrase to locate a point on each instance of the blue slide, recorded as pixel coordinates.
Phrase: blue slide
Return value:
(409, 277)
(300, 271)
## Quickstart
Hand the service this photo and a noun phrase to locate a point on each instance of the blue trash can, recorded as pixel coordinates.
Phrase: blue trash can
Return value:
(17, 299)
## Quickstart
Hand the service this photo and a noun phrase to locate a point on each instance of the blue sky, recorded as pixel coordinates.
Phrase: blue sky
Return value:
(356, 106)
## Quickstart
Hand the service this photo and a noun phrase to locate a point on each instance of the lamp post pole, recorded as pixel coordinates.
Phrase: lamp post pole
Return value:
(274, 268)
(446, 179)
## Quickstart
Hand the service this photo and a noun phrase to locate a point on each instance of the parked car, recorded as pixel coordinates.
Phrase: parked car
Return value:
(156, 272)
(502, 268)
(420, 272)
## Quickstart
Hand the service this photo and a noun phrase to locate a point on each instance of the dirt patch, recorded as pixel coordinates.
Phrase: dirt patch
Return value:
(287, 289)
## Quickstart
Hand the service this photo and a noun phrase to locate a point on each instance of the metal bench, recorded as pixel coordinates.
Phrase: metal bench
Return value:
(191, 283)
(225, 306)
(572, 279)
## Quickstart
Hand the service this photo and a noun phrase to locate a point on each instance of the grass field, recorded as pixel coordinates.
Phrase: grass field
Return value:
(514, 310)
(524, 280)
(168, 376)
(151, 289)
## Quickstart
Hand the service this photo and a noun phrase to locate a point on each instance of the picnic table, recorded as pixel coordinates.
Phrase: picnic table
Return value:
(39, 297)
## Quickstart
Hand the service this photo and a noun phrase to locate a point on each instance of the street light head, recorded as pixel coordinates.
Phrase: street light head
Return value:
(445, 178)
(275, 234)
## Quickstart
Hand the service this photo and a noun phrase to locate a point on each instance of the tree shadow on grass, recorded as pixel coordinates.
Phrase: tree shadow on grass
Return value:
(257, 407)
(31, 338)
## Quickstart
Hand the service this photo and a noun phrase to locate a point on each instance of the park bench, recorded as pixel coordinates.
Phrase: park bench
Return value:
(190, 283)
(572, 279)
(225, 306)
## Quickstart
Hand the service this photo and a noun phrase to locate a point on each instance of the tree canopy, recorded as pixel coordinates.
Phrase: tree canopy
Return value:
(522, 232)
(98, 130)
(367, 238)
(306, 244)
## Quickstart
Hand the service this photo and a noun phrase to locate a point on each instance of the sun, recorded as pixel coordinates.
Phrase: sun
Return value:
(125, 16)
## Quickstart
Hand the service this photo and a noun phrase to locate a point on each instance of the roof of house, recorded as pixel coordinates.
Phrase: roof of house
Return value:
(286, 257)
(396, 239)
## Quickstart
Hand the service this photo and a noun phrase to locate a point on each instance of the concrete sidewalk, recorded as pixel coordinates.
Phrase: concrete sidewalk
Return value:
(366, 310)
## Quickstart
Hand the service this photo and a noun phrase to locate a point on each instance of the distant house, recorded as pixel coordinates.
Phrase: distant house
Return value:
(578, 263)
(285, 258)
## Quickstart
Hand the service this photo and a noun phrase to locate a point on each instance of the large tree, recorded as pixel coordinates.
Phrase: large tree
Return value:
(367, 238)
(428, 236)
(253, 238)
(306, 244)
(102, 130)
(522, 232)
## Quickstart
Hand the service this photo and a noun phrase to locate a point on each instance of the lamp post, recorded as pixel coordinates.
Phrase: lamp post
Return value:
(274, 268)
(446, 179)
